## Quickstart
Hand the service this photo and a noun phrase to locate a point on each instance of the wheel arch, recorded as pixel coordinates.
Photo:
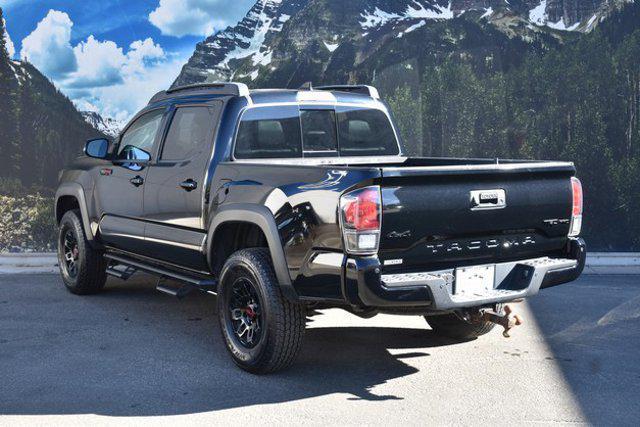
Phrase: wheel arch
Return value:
(251, 217)
(70, 196)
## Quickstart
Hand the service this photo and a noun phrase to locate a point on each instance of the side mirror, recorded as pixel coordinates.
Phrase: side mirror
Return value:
(97, 148)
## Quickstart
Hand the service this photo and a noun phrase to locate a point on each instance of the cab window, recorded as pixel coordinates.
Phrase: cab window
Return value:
(188, 134)
(140, 135)
(269, 133)
(366, 132)
(319, 136)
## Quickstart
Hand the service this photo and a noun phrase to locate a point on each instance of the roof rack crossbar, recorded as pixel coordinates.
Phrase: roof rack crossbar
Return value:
(361, 89)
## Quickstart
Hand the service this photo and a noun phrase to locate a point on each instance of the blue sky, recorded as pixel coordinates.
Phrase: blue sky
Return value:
(112, 55)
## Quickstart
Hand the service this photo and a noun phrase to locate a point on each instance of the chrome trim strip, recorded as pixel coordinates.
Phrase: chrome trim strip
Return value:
(178, 244)
(489, 167)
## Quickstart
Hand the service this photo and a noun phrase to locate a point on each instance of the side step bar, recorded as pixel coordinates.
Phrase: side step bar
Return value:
(121, 273)
(207, 285)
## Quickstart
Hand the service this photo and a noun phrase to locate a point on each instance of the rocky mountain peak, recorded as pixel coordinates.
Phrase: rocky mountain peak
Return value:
(107, 126)
(248, 39)
(276, 33)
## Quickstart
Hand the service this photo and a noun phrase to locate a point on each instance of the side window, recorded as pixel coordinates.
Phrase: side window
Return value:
(140, 135)
(188, 133)
(269, 133)
(319, 136)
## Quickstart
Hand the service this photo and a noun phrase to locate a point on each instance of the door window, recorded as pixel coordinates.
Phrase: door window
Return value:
(189, 133)
(140, 136)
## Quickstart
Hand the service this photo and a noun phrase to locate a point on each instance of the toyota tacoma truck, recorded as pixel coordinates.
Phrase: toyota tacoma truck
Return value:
(283, 202)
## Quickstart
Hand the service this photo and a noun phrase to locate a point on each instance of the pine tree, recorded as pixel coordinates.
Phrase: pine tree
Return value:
(9, 141)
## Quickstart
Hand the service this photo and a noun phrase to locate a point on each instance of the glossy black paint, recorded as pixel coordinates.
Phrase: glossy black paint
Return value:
(428, 220)
(170, 212)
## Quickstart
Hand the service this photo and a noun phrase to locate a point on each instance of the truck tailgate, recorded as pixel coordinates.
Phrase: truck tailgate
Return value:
(445, 216)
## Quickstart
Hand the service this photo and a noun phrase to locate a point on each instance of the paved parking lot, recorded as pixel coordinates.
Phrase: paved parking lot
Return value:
(132, 355)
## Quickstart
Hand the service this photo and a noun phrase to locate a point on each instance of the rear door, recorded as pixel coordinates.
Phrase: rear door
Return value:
(173, 197)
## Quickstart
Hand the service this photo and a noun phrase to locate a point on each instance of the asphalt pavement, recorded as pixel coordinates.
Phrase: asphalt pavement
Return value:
(131, 355)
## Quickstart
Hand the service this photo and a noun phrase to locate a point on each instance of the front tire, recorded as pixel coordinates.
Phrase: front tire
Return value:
(262, 330)
(83, 269)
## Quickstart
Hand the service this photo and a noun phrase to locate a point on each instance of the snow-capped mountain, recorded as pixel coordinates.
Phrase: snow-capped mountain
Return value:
(108, 126)
(249, 39)
(286, 42)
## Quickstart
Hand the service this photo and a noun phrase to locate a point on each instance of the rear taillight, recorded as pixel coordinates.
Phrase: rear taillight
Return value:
(360, 216)
(576, 211)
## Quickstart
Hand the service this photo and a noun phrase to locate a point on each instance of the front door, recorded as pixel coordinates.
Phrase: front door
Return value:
(173, 196)
(120, 185)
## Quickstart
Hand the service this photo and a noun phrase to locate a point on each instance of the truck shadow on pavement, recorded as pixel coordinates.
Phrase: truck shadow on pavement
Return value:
(131, 351)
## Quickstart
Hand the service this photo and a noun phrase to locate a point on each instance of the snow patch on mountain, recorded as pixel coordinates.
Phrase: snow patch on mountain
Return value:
(539, 16)
(412, 28)
(419, 11)
(331, 47)
(265, 24)
(379, 18)
(487, 13)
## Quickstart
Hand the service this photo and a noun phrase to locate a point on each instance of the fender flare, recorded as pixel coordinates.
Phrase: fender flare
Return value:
(75, 190)
(263, 218)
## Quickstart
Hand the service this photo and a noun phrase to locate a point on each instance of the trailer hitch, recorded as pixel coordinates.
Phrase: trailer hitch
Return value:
(508, 320)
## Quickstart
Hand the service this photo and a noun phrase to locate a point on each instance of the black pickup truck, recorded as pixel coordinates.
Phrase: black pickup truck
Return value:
(282, 202)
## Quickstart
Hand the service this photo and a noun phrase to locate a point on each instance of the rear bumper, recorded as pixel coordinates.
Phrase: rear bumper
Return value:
(365, 285)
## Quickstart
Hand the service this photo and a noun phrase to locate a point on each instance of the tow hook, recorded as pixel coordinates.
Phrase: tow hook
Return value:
(508, 320)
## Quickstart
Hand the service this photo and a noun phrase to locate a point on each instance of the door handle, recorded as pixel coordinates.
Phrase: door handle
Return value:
(137, 181)
(189, 185)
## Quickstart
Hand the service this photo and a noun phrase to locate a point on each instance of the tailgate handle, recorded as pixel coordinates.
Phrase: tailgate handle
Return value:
(488, 199)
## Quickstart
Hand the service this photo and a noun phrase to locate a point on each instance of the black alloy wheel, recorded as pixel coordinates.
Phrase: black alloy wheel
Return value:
(245, 316)
(71, 252)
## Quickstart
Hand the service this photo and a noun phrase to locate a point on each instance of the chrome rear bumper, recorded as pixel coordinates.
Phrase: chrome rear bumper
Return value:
(365, 284)
(512, 280)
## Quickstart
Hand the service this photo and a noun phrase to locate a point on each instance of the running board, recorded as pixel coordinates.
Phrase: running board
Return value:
(207, 285)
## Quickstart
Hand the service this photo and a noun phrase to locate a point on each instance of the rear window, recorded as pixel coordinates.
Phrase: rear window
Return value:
(319, 136)
(287, 132)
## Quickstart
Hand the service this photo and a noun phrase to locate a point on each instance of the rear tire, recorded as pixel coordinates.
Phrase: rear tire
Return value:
(83, 269)
(451, 326)
(262, 330)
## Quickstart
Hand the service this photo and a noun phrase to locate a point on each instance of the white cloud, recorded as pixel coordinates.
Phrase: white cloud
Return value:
(100, 75)
(123, 100)
(8, 43)
(191, 17)
(99, 64)
(48, 47)
(141, 54)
